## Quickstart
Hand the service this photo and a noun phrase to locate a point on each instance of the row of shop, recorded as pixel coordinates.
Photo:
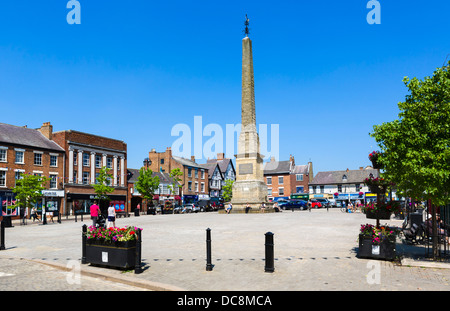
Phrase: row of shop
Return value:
(354, 198)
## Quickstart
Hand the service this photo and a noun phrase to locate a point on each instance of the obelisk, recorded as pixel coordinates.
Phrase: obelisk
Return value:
(249, 187)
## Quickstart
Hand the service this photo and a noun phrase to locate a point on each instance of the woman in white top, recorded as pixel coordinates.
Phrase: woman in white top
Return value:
(111, 216)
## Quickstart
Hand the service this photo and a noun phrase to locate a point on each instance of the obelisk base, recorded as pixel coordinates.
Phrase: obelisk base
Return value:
(251, 192)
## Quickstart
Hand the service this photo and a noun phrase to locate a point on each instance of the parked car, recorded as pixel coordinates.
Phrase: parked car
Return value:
(197, 208)
(324, 202)
(294, 204)
(186, 208)
(315, 204)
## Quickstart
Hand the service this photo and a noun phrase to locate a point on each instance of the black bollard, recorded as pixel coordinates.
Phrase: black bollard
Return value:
(2, 233)
(269, 253)
(83, 244)
(138, 265)
(208, 250)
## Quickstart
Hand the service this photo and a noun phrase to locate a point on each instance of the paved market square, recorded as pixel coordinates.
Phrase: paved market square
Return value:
(313, 251)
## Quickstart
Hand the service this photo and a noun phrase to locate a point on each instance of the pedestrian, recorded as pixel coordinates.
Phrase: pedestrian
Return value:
(247, 208)
(350, 207)
(34, 214)
(111, 216)
(263, 207)
(95, 210)
(309, 205)
(229, 207)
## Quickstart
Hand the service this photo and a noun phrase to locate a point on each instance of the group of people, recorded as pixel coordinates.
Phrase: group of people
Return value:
(96, 212)
(229, 207)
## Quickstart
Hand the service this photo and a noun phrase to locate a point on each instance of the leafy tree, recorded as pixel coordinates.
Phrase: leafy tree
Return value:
(228, 190)
(147, 184)
(175, 175)
(102, 186)
(28, 190)
(415, 152)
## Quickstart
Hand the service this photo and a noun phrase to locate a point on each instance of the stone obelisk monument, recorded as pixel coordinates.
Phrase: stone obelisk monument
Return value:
(249, 187)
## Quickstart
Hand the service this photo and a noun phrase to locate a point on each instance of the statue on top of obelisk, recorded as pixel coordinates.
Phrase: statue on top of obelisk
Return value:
(249, 187)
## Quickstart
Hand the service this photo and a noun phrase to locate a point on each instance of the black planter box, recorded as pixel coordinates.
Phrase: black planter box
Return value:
(378, 214)
(115, 254)
(386, 250)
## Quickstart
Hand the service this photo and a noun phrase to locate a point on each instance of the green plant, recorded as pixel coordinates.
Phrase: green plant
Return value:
(112, 234)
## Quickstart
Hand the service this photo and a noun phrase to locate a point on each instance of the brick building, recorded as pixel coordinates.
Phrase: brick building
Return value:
(30, 151)
(85, 155)
(285, 180)
(194, 180)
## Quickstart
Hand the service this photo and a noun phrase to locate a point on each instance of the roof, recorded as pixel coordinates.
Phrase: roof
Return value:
(211, 167)
(277, 167)
(301, 169)
(223, 163)
(187, 162)
(24, 136)
(133, 175)
(336, 177)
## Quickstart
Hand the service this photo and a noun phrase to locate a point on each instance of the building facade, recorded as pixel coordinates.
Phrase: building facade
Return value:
(285, 180)
(85, 155)
(194, 181)
(30, 151)
(220, 170)
(344, 186)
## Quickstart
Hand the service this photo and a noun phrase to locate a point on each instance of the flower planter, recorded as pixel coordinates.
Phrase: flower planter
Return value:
(382, 214)
(376, 164)
(111, 254)
(384, 251)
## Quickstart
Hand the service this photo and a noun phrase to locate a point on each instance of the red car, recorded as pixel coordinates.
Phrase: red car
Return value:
(315, 204)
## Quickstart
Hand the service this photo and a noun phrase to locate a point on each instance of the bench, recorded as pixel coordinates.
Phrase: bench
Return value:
(413, 234)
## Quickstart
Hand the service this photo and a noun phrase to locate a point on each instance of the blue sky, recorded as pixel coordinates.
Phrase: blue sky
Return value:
(132, 70)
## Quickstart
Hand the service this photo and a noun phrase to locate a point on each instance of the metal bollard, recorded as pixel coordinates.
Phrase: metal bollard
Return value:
(209, 265)
(138, 264)
(2, 233)
(269, 253)
(83, 244)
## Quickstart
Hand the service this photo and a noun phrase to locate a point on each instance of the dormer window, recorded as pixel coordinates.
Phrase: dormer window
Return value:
(344, 178)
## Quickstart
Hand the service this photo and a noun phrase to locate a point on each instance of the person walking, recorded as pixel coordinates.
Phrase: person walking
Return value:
(309, 205)
(95, 210)
(111, 216)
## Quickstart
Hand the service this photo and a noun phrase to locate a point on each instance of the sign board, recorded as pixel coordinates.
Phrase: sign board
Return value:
(245, 169)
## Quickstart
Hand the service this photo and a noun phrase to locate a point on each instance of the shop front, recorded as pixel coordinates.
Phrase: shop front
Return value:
(80, 203)
(7, 209)
(53, 202)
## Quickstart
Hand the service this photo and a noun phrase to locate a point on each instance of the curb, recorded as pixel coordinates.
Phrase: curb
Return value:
(127, 280)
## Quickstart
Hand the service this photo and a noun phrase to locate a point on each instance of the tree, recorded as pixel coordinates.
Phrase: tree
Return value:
(28, 190)
(415, 152)
(102, 186)
(147, 184)
(175, 175)
(228, 190)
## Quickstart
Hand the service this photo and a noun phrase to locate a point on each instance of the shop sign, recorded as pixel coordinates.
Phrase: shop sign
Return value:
(53, 193)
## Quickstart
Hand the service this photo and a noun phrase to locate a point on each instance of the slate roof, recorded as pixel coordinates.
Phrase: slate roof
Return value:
(18, 135)
(211, 167)
(301, 169)
(187, 162)
(133, 175)
(223, 164)
(277, 167)
(335, 177)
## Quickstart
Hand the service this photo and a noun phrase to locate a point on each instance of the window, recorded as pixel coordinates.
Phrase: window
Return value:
(280, 180)
(75, 158)
(202, 187)
(196, 186)
(162, 161)
(53, 160)
(85, 159)
(18, 175)
(19, 157)
(269, 180)
(322, 189)
(280, 192)
(85, 178)
(2, 178)
(203, 174)
(196, 173)
(314, 189)
(269, 191)
(53, 184)
(96, 177)
(2, 154)
(98, 161)
(358, 187)
(37, 158)
(189, 172)
(190, 185)
(109, 162)
(299, 189)
(339, 188)
(299, 177)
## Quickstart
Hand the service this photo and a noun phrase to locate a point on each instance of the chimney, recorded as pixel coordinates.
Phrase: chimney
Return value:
(220, 156)
(193, 158)
(272, 159)
(361, 168)
(347, 170)
(169, 152)
(46, 130)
